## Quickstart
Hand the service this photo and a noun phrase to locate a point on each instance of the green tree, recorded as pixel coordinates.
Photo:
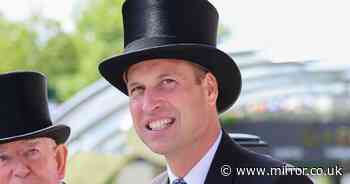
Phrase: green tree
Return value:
(18, 47)
(98, 35)
(70, 60)
(59, 59)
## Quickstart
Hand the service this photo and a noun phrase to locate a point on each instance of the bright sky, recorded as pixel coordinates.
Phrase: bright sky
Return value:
(291, 29)
(57, 9)
(288, 29)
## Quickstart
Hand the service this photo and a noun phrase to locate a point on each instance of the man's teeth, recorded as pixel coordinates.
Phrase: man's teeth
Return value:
(159, 124)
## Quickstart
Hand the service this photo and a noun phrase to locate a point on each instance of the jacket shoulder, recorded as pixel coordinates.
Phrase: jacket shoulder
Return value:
(252, 159)
(240, 158)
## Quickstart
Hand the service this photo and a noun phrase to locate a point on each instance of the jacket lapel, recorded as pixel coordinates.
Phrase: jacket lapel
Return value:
(222, 167)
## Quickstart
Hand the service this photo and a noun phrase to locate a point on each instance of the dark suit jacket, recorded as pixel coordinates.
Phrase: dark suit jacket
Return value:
(233, 155)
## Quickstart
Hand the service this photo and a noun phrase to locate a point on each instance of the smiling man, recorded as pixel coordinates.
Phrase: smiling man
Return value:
(32, 150)
(178, 83)
(165, 107)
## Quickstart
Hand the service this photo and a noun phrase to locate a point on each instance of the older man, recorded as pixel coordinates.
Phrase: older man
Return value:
(32, 150)
(178, 83)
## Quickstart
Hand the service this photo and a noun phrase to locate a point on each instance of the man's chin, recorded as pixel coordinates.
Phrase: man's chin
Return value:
(158, 151)
(161, 150)
(25, 181)
(20, 182)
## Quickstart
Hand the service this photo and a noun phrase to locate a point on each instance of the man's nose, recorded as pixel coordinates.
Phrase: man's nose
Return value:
(21, 169)
(151, 101)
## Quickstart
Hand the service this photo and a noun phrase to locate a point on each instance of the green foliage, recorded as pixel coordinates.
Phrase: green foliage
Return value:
(18, 48)
(102, 21)
(227, 121)
(70, 60)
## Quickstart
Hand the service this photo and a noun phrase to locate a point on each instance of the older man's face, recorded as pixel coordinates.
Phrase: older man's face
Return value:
(33, 161)
(169, 104)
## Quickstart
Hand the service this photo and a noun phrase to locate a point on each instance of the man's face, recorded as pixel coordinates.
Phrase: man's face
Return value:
(169, 104)
(33, 161)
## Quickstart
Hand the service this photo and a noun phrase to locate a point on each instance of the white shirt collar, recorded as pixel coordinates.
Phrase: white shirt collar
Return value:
(199, 172)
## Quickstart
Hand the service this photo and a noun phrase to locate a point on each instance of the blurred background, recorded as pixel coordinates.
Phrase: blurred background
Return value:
(294, 58)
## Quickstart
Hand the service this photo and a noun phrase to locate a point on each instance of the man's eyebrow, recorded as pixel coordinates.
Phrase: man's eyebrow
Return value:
(32, 142)
(2, 151)
(132, 84)
(170, 74)
(164, 75)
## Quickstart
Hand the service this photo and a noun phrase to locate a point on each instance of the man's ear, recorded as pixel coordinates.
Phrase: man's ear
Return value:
(212, 89)
(61, 160)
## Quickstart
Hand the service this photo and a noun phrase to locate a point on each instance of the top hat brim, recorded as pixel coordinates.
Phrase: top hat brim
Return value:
(59, 133)
(217, 62)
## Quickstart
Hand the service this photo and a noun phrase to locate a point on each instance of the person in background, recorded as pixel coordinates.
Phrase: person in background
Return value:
(32, 149)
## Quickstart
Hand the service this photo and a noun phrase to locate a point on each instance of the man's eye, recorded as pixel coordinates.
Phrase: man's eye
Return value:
(136, 90)
(168, 81)
(4, 158)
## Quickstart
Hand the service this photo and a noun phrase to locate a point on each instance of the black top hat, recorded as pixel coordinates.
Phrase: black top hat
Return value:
(180, 29)
(24, 112)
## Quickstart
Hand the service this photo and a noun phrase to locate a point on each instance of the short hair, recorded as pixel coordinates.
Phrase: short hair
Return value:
(199, 72)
